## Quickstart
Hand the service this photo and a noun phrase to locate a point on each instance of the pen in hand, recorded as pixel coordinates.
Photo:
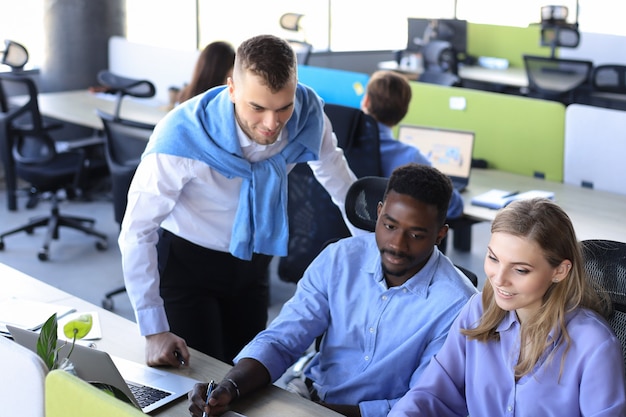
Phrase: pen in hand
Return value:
(179, 357)
(209, 390)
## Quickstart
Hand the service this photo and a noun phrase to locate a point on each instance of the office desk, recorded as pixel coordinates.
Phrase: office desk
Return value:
(502, 78)
(120, 337)
(79, 107)
(595, 214)
(510, 77)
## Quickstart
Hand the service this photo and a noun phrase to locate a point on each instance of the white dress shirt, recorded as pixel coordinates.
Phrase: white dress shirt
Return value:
(195, 202)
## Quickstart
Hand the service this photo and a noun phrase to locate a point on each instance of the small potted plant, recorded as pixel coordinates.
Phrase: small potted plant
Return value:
(75, 329)
(47, 348)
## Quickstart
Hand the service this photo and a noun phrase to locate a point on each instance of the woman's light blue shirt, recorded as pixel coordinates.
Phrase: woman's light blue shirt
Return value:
(476, 378)
(377, 340)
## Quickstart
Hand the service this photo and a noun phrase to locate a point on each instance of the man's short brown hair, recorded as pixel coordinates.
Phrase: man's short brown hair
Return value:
(268, 57)
(389, 97)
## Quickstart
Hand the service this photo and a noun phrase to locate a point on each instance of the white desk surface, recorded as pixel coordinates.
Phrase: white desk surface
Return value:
(512, 76)
(595, 214)
(120, 337)
(79, 107)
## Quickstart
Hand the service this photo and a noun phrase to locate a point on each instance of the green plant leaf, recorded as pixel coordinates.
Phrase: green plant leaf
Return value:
(79, 327)
(111, 390)
(47, 342)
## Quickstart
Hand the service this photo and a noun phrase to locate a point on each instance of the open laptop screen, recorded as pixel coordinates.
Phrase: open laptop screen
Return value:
(450, 151)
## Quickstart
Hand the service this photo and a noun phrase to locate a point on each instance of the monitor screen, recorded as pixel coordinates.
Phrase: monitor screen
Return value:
(420, 31)
(417, 31)
(450, 151)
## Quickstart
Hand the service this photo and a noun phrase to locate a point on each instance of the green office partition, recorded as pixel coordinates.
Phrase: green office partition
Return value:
(513, 133)
(505, 42)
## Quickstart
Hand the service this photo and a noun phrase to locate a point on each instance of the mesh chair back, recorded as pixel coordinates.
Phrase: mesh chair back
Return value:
(362, 201)
(555, 75)
(609, 78)
(125, 141)
(124, 86)
(313, 218)
(605, 264)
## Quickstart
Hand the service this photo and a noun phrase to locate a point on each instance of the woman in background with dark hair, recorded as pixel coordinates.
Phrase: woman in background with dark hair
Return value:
(214, 66)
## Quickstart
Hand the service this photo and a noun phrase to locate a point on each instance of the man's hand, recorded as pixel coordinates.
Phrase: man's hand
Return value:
(218, 403)
(166, 349)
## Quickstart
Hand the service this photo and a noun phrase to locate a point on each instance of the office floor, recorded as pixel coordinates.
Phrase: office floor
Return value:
(77, 267)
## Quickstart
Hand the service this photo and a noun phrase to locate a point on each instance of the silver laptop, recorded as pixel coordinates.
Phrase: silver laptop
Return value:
(148, 388)
(450, 151)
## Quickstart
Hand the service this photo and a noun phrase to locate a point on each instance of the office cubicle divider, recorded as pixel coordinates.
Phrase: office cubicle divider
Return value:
(595, 148)
(335, 86)
(504, 42)
(513, 133)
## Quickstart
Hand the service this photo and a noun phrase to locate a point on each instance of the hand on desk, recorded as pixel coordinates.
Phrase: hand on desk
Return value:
(166, 349)
(221, 396)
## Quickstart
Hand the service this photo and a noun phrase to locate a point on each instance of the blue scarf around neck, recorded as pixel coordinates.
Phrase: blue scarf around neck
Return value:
(205, 129)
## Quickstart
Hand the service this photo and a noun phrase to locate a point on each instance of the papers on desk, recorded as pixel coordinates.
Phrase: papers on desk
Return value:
(496, 199)
(28, 314)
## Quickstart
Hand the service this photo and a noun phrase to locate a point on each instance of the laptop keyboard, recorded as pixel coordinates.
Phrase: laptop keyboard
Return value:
(146, 395)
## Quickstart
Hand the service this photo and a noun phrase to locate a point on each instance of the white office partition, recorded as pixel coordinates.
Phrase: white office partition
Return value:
(595, 148)
(165, 67)
(600, 48)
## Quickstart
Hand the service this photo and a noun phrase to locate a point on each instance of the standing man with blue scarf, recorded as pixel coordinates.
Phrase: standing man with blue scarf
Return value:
(207, 208)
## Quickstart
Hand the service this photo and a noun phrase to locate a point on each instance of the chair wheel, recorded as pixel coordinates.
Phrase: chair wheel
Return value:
(43, 255)
(102, 245)
(107, 304)
(30, 231)
(1, 245)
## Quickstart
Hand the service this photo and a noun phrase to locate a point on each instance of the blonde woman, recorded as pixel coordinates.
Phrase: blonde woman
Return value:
(535, 342)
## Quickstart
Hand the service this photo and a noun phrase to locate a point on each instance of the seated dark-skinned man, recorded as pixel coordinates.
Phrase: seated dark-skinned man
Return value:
(384, 302)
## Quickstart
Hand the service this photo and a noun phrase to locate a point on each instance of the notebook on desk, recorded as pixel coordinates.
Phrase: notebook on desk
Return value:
(148, 388)
(450, 151)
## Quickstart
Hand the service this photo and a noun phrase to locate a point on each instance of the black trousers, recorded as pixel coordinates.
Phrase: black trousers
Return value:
(213, 300)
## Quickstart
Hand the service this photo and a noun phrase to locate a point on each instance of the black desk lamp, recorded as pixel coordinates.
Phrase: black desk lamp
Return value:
(14, 55)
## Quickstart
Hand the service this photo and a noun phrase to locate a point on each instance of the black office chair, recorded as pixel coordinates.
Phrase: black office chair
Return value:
(29, 153)
(124, 86)
(13, 116)
(608, 87)
(556, 79)
(302, 48)
(605, 264)
(362, 208)
(313, 218)
(125, 142)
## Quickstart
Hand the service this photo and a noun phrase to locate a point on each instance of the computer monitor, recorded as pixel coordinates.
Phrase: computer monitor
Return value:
(420, 31)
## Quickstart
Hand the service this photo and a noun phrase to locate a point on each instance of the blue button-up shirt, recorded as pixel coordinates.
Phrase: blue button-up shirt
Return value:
(377, 340)
(394, 153)
(477, 378)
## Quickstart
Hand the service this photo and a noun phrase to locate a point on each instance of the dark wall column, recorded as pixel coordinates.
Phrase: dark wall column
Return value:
(76, 44)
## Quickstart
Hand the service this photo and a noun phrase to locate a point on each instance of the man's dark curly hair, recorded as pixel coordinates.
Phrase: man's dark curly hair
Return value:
(423, 183)
(269, 57)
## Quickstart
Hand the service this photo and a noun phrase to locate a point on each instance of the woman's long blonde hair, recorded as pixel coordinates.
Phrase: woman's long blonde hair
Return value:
(542, 221)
